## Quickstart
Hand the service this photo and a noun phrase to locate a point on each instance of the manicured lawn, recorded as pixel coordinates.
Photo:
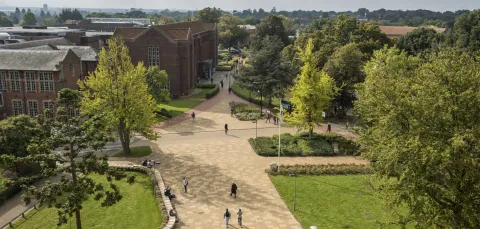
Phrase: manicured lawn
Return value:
(178, 107)
(137, 209)
(341, 201)
(139, 151)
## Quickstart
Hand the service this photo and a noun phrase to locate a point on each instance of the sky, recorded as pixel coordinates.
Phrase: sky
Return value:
(267, 5)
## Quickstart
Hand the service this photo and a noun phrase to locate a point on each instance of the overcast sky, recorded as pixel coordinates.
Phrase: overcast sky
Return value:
(267, 5)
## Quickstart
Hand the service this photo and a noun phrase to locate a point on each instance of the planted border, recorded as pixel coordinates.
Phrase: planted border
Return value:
(328, 169)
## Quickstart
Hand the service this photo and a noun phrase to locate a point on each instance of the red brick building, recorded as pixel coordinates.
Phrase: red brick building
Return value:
(187, 51)
(30, 79)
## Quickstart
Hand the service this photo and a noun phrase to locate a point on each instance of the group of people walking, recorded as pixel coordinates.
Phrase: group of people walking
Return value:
(227, 216)
(271, 116)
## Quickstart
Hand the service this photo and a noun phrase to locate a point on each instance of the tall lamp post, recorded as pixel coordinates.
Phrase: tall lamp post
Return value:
(295, 191)
(260, 91)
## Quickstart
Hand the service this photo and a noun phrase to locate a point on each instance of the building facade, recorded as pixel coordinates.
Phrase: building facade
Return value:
(187, 51)
(31, 79)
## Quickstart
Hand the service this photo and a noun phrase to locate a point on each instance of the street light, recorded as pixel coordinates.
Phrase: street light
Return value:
(261, 96)
(295, 191)
(256, 127)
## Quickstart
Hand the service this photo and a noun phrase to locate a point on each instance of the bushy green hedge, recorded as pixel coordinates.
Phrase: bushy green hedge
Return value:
(223, 63)
(212, 92)
(208, 86)
(225, 56)
(245, 94)
(8, 192)
(302, 145)
(321, 169)
(224, 68)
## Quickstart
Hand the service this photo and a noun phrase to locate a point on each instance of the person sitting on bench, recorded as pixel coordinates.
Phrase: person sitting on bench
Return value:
(168, 193)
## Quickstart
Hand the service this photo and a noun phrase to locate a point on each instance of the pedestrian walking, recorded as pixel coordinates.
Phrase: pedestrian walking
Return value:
(226, 128)
(268, 117)
(231, 111)
(221, 84)
(229, 89)
(185, 184)
(226, 216)
(274, 120)
(193, 116)
(239, 214)
(329, 128)
(234, 190)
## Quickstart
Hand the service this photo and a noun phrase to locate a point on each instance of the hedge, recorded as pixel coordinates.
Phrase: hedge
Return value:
(223, 68)
(8, 192)
(328, 169)
(212, 92)
(302, 145)
(223, 63)
(208, 86)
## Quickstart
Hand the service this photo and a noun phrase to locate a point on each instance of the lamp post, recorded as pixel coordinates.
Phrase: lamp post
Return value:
(260, 91)
(295, 191)
(256, 128)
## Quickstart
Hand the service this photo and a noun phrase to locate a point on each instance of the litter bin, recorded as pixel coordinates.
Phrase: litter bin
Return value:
(313, 227)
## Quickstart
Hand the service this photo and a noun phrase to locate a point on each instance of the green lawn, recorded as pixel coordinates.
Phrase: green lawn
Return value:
(178, 107)
(342, 201)
(139, 151)
(137, 209)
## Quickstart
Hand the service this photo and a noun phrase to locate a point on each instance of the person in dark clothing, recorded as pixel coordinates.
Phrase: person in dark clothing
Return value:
(231, 111)
(211, 80)
(193, 116)
(229, 90)
(221, 84)
(329, 128)
(234, 190)
(226, 128)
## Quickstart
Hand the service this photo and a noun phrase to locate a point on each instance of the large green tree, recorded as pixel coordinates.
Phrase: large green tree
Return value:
(420, 41)
(467, 31)
(28, 19)
(209, 15)
(346, 68)
(230, 34)
(271, 25)
(69, 14)
(421, 129)
(71, 135)
(158, 84)
(119, 90)
(312, 93)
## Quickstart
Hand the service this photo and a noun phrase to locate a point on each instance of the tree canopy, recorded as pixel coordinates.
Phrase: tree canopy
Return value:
(209, 15)
(158, 84)
(28, 19)
(230, 34)
(119, 90)
(5, 21)
(467, 31)
(270, 26)
(421, 130)
(420, 41)
(69, 14)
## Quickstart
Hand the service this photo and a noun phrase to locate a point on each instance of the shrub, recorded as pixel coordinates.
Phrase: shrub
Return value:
(225, 56)
(224, 68)
(245, 94)
(302, 145)
(209, 86)
(212, 92)
(328, 169)
(223, 63)
(8, 192)
(164, 112)
(246, 116)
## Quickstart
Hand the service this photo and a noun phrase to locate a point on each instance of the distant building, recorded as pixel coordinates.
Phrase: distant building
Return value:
(251, 29)
(137, 21)
(45, 8)
(187, 51)
(398, 31)
(104, 26)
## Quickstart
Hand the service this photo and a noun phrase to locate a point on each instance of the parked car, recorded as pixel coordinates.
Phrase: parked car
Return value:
(235, 51)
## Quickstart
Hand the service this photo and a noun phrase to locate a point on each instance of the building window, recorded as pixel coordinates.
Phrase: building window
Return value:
(74, 112)
(153, 56)
(3, 81)
(30, 81)
(46, 81)
(48, 104)
(33, 108)
(17, 107)
(1, 99)
(14, 81)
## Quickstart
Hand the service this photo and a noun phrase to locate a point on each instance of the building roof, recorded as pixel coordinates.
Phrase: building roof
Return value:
(29, 44)
(48, 30)
(127, 33)
(86, 53)
(176, 34)
(195, 26)
(31, 60)
(403, 30)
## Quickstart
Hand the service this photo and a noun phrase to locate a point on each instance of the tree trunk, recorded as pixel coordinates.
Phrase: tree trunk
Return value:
(124, 136)
(77, 219)
(310, 132)
(74, 181)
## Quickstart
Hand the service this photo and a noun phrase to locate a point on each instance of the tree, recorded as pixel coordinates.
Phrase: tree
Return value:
(158, 84)
(271, 25)
(467, 31)
(345, 67)
(69, 14)
(267, 74)
(165, 20)
(28, 19)
(312, 93)
(209, 15)
(99, 14)
(230, 33)
(18, 14)
(5, 21)
(50, 21)
(42, 14)
(420, 41)
(24, 11)
(421, 129)
(119, 90)
(73, 135)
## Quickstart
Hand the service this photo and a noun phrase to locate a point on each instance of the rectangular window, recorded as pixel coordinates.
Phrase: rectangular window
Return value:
(153, 56)
(1, 99)
(33, 108)
(46, 81)
(48, 104)
(3, 81)
(74, 112)
(30, 81)
(17, 107)
(14, 81)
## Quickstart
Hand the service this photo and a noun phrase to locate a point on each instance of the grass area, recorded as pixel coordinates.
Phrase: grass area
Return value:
(139, 151)
(178, 107)
(251, 96)
(342, 201)
(137, 209)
